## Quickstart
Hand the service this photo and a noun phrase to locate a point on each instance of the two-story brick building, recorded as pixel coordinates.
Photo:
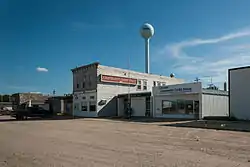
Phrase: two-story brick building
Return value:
(96, 88)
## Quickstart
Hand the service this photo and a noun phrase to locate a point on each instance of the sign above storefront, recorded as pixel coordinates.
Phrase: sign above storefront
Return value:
(118, 80)
(178, 88)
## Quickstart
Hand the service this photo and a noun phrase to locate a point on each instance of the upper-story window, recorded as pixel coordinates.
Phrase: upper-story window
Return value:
(139, 85)
(77, 85)
(83, 84)
(154, 83)
(145, 85)
(90, 80)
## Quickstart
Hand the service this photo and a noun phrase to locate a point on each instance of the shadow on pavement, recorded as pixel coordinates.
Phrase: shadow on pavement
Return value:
(212, 124)
(144, 119)
(9, 118)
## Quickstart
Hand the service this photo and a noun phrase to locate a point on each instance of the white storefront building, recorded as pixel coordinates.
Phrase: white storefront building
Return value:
(239, 83)
(101, 90)
(189, 100)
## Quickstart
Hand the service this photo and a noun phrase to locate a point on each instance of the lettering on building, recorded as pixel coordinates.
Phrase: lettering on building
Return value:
(177, 90)
(119, 80)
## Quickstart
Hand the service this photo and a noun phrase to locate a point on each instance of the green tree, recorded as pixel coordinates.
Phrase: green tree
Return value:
(6, 98)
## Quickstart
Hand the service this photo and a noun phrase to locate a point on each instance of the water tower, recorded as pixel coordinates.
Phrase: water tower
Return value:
(147, 31)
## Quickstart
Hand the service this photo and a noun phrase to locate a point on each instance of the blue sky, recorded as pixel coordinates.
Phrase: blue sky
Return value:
(40, 41)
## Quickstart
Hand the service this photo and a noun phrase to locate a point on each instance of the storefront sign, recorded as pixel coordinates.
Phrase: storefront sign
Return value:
(177, 90)
(120, 80)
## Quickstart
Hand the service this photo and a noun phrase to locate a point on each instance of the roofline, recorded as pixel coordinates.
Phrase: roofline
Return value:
(85, 66)
(142, 73)
(238, 68)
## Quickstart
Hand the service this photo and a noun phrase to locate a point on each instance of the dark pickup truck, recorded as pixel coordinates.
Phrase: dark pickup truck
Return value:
(21, 114)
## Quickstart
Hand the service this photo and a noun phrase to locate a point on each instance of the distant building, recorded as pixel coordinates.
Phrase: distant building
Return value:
(36, 99)
(96, 89)
(61, 104)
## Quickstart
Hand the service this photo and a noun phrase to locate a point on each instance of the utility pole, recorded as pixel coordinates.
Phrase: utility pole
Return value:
(129, 97)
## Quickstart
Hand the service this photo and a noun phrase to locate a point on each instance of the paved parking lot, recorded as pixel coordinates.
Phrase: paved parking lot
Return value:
(97, 142)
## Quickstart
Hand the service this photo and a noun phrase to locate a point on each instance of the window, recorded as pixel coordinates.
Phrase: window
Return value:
(139, 85)
(145, 83)
(76, 106)
(92, 97)
(84, 106)
(83, 97)
(90, 78)
(168, 107)
(83, 85)
(154, 83)
(77, 85)
(92, 106)
(177, 107)
(181, 106)
(189, 105)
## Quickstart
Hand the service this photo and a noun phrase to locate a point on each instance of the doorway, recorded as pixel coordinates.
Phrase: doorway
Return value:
(196, 109)
(138, 105)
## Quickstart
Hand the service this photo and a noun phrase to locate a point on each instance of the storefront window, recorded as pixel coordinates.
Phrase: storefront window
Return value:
(189, 107)
(177, 107)
(181, 106)
(168, 107)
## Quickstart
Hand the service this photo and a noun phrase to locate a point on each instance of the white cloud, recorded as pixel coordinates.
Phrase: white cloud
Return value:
(176, 49)
(42, 69)
(216, 65)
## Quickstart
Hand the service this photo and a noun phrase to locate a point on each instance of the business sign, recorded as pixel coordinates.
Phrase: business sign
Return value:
(119, 80)
(179, 88)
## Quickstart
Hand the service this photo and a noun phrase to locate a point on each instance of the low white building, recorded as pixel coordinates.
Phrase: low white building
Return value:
(96, 89)
(239, 82)
(189, 100)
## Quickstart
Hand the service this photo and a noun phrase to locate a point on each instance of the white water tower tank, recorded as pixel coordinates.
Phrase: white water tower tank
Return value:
(147, 31)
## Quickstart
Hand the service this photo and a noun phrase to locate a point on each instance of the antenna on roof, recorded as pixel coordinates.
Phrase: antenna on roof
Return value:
(197, 79)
